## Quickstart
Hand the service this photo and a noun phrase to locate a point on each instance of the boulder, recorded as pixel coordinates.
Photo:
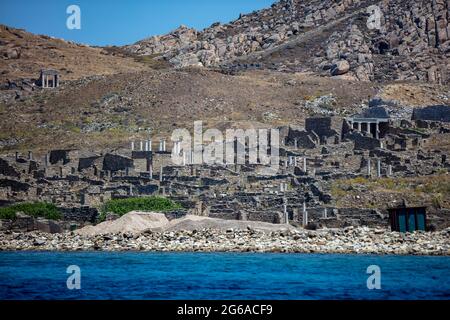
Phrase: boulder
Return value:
(12, 53)
(186, 60)
(48, 226)
(339, 68)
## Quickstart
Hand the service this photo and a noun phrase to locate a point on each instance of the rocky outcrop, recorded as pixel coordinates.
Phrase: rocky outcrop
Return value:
(175, 40)
(257, 31)
(328, 37)
(412, 44)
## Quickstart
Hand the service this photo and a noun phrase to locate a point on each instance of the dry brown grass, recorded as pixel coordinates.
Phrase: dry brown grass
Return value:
(164, 100)
(429, 190)
(414, 94)
(73, 61)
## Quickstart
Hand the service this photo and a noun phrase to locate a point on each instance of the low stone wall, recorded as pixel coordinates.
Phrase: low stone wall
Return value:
(362, 142)
(432, 113)
(25, 223)
(80, 214)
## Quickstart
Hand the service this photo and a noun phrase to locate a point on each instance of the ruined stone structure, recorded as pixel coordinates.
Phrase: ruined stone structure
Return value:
(327, 149)
(433, 113)
(49, 78)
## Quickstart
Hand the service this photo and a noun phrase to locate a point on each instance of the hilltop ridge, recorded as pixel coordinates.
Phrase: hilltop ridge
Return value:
(321, 37)
(23, 54)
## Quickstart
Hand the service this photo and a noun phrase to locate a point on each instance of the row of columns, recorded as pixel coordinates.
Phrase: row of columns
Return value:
(358, 125)
(46, 80)
(379, 167)
(305, 218)
(146, 145)
(294, 161)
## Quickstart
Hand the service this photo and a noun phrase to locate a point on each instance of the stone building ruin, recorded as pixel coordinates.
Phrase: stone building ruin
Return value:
(49, 78)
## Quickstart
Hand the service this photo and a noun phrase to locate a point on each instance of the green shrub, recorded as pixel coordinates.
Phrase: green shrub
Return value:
(123, 206)
(34, 209)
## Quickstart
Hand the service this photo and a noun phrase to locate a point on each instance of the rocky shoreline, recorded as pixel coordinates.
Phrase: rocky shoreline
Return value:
(337, 241)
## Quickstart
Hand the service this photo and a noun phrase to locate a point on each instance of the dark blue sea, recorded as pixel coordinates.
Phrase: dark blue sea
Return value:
(25, 275)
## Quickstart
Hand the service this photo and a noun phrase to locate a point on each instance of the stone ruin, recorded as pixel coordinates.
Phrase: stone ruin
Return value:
(327, 148)
(49, 78)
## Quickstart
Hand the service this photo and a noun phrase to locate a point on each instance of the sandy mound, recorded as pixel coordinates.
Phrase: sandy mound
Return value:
(197, 223)
(134, 222)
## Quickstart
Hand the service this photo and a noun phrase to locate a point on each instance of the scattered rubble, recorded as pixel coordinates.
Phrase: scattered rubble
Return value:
(345, 241)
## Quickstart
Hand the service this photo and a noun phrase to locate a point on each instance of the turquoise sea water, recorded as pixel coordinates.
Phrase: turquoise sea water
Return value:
(32, 275)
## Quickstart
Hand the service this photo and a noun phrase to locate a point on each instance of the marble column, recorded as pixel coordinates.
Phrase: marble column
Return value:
(305, 215)
(286, 215)
(379, 168)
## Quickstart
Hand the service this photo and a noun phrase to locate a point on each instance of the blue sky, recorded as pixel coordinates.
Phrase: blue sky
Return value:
(119, 22)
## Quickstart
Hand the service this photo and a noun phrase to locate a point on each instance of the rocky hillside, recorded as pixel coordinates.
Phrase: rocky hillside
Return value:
(328, 37)
(110, 111)
(331, 64)
(23, 54)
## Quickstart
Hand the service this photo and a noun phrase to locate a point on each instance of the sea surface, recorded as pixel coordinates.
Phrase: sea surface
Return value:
(37, 276)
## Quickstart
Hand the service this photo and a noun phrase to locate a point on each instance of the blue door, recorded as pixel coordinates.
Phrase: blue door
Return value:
(421, 220)
(411, 221)
(402, 221)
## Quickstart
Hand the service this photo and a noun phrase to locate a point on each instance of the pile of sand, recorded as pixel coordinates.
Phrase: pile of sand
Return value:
(190, 222)
(134, 222)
